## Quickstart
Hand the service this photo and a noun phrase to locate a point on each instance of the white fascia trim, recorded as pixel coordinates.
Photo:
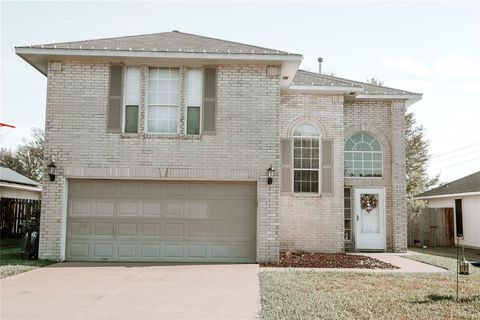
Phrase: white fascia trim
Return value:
(451, 195)
(164, 55)
(325, 89)
(390, 96)
(20, 187)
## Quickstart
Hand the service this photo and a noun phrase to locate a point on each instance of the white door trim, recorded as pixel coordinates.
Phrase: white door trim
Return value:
(356, 208)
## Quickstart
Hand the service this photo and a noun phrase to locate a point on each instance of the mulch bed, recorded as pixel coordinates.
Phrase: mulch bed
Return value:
(327, 260)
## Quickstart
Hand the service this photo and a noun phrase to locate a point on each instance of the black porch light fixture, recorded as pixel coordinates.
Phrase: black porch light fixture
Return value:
(270, 172)
(52, 169)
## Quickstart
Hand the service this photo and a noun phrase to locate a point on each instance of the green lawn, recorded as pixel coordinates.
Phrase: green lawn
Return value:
(11, 262)
(353, 295)
(449, 252)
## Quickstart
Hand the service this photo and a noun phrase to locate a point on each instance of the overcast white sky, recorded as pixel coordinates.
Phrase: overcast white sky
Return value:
(429, 47)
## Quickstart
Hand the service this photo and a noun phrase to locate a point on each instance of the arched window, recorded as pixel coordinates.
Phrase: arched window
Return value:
(305, 159)
(363, 156)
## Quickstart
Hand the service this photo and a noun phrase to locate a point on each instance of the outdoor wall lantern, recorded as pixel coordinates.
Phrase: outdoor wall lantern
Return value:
(270, 172)
(52, 169)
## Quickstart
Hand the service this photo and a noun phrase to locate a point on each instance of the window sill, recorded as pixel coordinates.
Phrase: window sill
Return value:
(161, 136)
(369, 178)
(306, 195)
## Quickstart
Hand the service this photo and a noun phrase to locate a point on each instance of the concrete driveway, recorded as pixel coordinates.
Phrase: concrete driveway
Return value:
(132, 291)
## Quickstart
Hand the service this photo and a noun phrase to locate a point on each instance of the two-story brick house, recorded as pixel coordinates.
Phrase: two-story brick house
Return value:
(162, 145)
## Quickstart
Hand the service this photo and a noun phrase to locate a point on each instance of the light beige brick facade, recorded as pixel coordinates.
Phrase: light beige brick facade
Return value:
(314, 222)
(252, 115)
(245, 145)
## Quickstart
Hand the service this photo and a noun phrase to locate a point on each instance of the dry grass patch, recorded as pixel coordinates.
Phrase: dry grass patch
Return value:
(354, 295)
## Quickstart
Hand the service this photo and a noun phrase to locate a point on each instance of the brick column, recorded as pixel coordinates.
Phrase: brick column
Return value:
(52, 221)
(398, 177)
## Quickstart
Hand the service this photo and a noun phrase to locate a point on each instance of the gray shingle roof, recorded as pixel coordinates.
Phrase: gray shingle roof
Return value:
(8, 175)
(307, 78)
(469, 183)
(174, 41)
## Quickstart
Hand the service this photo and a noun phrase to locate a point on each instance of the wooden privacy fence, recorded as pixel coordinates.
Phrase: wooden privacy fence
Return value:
(12, 212)
(433, 227)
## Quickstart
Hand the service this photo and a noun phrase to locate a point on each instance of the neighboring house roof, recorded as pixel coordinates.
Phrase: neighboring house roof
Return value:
(307, 78)
(174, 41)
(10, 176)
(468, 184)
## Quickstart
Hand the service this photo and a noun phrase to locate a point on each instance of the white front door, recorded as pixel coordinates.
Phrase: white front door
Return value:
(370, 219)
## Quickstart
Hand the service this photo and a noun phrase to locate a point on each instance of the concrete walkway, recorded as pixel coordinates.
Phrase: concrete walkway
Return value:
(404, 264)
(132, 291)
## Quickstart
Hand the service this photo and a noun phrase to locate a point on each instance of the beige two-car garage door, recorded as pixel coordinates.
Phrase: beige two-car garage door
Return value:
(161, 221)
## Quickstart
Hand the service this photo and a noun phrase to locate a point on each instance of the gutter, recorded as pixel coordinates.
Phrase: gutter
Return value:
(157, 54)
(450, 195)
(21, 187)
(326, 89)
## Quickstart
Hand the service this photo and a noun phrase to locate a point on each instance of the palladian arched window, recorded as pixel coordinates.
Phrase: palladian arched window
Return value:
(363, 156)
(306, 159)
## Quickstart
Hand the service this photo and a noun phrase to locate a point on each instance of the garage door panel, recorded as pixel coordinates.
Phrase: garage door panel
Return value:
(197, 230)
(126, 250)
(159, 221)
(242, 211)
(150, 230)
(174, 251)
(103, 250)
(151, 208)
(128, 229)
(150, 251)
(103, 229)
(79, 229)
(198, 209)
(219, 230)
(241, 250)
(222, 209)
(240, 231)
(129, 189)
(174, 230)
(80, 208)
(128, 208)
(174, 209)
(197, 190)
(104, 208)
(150, 189)
(174, 190)
(220, 251)
(197, 251)
(106, 188)
(81, 188)
(79, 250)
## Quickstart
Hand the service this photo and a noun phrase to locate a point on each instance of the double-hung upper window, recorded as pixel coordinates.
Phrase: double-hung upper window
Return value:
(306, 159)
(132, 98)
(194, 99)
(163, 99)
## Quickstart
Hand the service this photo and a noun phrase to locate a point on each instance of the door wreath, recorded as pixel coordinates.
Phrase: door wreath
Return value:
(368, 202)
